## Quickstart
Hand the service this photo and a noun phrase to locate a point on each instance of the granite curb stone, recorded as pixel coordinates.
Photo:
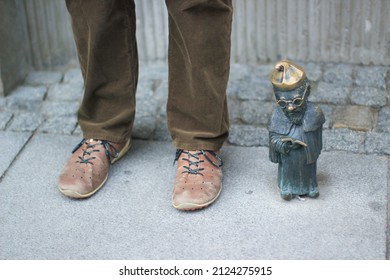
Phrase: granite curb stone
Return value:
(340, 74)
(369, 96)
(161, 133)
(248, 135)
(66, 92)
(77, 131)
(313, 71)
(343, 139)
(330, 93)
(256, 112)
(60, 108)
(59, 124)
(378, 143)
(255, 89)
(27, 98)
(371, 76)
(26, 121)
(46, 78)
(144, 127)
(73, 76)
(234, 110)
(383, 120)
(328, 111)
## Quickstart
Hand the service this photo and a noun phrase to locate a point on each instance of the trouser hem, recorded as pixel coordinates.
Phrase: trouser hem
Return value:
(197, 146)
(110, 138)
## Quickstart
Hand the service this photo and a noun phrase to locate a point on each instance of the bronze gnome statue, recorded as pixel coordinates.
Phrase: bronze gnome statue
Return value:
(295, 132)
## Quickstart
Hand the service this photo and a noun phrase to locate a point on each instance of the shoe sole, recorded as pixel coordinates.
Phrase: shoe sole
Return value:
(73, 194)
(125, 149)
(194, 206)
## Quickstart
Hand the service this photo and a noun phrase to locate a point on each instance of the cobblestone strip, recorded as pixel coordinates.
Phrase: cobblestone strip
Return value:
(354, 99)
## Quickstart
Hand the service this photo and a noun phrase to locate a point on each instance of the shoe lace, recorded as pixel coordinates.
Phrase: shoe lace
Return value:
(194, 160)
(87, 156)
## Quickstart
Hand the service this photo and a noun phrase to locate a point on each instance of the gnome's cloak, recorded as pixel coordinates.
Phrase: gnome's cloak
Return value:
(297, 167)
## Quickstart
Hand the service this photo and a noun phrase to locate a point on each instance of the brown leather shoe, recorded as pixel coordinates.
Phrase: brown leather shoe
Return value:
(87, 169)
(198, 181)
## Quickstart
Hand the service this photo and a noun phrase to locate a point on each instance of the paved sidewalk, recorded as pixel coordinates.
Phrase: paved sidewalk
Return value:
(131, 217)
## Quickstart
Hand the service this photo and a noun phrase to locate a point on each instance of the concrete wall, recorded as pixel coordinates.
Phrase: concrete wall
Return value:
(348, 31)
(1, 83)
(351, 31)
(51, 38)
(14, 44)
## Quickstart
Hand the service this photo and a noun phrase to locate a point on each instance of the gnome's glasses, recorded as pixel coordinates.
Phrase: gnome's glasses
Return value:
(297, 102)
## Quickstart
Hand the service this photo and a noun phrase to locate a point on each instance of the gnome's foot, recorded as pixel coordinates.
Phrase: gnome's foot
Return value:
(286, 195)
(313, 193)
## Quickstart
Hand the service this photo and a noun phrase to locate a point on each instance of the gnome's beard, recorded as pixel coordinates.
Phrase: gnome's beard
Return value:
(296, 116)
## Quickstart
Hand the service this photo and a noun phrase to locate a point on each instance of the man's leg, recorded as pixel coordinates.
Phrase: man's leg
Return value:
(104, 32)
(199, 57)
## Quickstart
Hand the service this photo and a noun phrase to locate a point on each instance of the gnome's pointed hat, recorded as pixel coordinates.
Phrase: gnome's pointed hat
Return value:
(287, 75)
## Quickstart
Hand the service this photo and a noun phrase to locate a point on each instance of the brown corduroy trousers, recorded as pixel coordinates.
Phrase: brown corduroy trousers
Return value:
(198, 58)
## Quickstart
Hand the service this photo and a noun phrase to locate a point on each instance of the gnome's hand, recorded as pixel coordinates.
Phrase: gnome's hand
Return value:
(292, 146)
(291, 143)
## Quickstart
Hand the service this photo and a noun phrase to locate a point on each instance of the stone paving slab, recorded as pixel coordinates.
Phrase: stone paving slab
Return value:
(131, 217)
(358, 118)
(11, 143)
(5, 117)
